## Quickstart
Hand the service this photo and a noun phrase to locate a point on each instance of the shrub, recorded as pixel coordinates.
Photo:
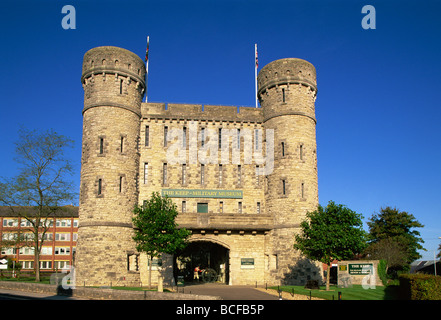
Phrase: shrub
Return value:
(420, 287)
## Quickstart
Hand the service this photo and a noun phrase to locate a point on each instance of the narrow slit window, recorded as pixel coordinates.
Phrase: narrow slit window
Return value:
(202, 137)
(101, 145)
(100, 186)
(120, 184)
(184, 174)
(202, 174)
(120, 86)
(220, 138)
(303, 190)
(283, 94)
(147, 136)
(284, 187)
(122, 144)
(256, 139)
(283, 149)
(146, 172)
(239, 207)
(258, 207)
(165, 135)
(184, 137)
(221, 172)
(164, 174)
(301, 152)
(221, 207)
(239, 174)
(238, 139)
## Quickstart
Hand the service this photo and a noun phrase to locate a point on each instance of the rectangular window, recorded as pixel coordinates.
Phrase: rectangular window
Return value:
(283, 149)
(221, 207)
(283, 94)
(147, 136)
(165, 135)
(146, 172)
(301, 152)
(258, 208)
(239, 207)
(164, 174)
(100, 185)
(184, 206)
(101, 145)
(283, 187)
(202, 207)
(120, 86)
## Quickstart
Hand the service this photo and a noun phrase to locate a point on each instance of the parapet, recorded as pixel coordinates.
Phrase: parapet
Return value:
(287, 71)
(113, 60)
(201, 112)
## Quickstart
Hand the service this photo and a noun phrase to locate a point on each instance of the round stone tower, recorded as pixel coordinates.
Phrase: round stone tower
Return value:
(113, 82)
(287, 93)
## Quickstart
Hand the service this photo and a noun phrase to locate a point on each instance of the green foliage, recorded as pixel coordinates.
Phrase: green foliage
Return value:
(390, 223)
(382, 271)
(156, 231)
(333, 232)
(420, 287)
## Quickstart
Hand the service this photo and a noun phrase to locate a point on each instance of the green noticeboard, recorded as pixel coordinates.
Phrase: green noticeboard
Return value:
(247, 263)
(202, 193)
(361, 268)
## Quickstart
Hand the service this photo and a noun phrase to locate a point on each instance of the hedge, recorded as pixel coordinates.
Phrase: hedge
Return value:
(420, 287)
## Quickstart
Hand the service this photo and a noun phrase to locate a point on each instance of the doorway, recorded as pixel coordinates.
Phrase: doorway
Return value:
(211, 258)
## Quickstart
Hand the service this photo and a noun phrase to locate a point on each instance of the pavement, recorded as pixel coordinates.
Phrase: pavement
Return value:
(228, 292)
(6, 294)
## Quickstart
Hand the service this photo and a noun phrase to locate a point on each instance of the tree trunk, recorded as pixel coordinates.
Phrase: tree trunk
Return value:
(37, 266)
(150, 272)
(328, 276)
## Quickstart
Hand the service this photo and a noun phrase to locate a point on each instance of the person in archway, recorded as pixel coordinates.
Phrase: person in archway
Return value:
(196, 273)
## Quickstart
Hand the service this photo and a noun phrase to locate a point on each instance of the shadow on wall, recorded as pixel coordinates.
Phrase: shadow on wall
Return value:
(302, 271)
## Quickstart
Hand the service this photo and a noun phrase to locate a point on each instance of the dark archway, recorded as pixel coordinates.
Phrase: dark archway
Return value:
(208, 256)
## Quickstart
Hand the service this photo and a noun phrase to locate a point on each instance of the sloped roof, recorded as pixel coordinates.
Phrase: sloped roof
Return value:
(15, 211)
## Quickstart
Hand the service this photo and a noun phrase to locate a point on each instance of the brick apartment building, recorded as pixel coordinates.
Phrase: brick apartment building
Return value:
(59, 244)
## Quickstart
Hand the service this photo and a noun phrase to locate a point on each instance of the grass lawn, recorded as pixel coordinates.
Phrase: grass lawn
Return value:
(355, 293)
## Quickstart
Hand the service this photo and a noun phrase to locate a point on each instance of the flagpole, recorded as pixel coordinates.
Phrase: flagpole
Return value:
(146, 68)
(255, 71)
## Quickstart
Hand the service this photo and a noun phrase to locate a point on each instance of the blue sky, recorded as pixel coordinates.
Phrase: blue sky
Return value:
(378, 107)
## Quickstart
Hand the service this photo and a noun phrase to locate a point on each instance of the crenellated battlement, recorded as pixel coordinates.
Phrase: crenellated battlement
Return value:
(201, 112)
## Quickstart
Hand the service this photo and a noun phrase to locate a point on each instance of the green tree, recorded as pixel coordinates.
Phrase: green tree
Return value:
(333, 232)
(399, 226)
(156, 230)
(37, 193)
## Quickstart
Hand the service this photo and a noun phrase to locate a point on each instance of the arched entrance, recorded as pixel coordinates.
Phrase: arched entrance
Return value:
(211, 257)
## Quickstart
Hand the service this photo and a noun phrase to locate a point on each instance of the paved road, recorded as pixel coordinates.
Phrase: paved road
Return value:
(22, 295)
(229, 292)
(220, 290)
